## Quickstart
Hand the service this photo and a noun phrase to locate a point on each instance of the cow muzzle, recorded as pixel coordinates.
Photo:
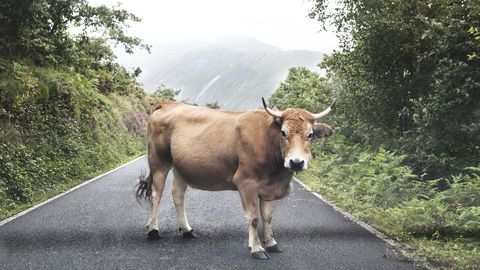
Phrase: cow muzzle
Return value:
(296, 163)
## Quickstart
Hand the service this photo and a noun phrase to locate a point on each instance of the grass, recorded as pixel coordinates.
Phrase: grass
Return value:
(57, 130)
(40, 197)
(441, 226)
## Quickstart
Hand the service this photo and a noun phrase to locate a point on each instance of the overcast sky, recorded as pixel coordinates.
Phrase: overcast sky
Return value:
(282, 23)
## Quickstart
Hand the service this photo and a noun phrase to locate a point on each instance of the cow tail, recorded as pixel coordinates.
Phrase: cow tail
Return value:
(144, 187)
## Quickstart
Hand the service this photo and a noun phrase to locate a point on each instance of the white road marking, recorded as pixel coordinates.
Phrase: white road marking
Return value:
(26, 211)
(404, 249)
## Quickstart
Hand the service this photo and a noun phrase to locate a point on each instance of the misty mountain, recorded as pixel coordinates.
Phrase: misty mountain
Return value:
(236, 73)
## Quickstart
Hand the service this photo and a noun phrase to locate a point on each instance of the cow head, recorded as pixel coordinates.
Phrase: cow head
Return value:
(298, 129)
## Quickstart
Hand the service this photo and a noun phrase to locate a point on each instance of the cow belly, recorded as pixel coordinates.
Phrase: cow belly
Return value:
(203, 156)
(204, 170)
(213, 179)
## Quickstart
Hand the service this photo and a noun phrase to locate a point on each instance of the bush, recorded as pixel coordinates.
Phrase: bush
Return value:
(374, 185)
(57, 129)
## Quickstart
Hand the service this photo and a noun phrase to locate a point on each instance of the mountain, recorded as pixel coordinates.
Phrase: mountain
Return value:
(236, 73)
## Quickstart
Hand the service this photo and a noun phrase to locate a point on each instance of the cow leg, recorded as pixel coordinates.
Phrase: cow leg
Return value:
(179, 187)
(266, 208)
(249, 195)
(159, 177)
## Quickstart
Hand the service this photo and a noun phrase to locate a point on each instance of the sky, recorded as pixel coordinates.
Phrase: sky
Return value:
(282, 23)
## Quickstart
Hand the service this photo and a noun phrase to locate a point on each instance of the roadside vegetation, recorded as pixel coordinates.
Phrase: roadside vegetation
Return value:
(405, 155)
(68, 111)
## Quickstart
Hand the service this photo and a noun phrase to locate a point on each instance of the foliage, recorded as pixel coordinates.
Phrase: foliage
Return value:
(213, 105)
(68, 34)
(57, 129)
(67, 110)
(303, 89)
(164, 92)
(40, 31)
(407, 78)
(375, 186)
(114, 78)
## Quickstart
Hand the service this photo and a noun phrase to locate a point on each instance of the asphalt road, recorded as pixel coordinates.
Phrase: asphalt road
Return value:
(101, 226)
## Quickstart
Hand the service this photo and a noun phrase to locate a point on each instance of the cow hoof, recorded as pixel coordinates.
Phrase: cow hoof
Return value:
(274, 249)
(153, 235)
(189, 235)
(260, 255)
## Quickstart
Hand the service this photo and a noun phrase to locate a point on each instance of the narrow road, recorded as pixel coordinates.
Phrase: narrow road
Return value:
(101, 226)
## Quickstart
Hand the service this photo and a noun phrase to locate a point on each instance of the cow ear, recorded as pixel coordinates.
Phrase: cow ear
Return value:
(321, 130)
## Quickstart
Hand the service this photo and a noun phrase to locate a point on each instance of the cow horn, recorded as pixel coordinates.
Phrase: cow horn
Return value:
(270, 111)
(322, 114)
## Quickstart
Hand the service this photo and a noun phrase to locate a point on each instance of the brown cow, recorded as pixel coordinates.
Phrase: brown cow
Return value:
(255, 152)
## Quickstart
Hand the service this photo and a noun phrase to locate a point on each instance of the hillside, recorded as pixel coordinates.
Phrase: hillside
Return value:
(234, 72)
(68, 111)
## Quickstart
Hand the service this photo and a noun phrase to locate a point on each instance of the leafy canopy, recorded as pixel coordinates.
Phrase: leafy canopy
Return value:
(408, 77)
(40, 31)
(303, 89)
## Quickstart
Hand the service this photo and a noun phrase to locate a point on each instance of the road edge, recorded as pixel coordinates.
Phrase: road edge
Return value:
(26, 211)
(404, 250)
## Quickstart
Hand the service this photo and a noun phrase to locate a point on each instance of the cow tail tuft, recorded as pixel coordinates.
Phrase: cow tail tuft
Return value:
(144, 187)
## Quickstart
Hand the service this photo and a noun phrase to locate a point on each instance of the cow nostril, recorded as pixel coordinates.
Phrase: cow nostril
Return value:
(297, 164)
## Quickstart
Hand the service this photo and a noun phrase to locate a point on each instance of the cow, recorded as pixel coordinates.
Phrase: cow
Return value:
(255, 152)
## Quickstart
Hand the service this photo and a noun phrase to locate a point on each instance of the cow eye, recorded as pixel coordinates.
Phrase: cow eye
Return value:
(310, 136)
(284, 135)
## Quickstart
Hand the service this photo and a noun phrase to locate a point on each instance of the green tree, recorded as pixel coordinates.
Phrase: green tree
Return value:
(406, 78)
(39, 30)
(40, 33)
(303, 89)
(164, 92)
(213, 105)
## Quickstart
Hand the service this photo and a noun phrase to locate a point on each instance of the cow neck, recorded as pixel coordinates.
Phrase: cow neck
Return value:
(275, 148)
